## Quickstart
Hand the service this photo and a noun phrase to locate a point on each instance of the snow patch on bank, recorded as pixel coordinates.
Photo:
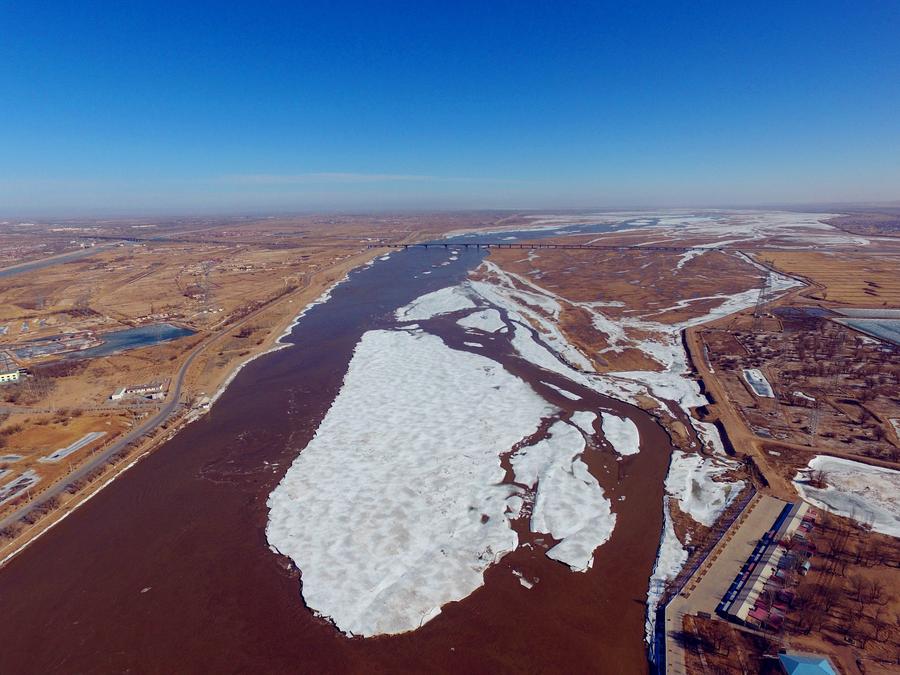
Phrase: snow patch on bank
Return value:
(396, 506)
(865, 493)
(670, 558)
(691, 480)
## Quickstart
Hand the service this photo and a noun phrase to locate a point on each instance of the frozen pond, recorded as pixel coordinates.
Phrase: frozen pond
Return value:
(883, 329)
(133, 338)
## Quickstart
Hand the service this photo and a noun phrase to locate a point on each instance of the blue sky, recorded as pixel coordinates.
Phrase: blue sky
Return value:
(143, 107)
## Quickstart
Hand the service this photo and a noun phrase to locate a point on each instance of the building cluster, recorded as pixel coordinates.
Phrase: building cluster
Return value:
(9, 371)
(152, 392)
(762, 593)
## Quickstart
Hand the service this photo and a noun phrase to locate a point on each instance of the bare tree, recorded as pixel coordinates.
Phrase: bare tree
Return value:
(877, 592)
(857, 587)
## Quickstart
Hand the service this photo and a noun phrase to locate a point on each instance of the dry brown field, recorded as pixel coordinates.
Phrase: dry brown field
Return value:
(645, 285)
(848, 279)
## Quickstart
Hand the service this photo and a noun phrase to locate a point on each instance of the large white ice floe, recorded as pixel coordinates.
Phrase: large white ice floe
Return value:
(396, 506)
(443, 301)
(570, 504)
(865, 493)
(622, 434)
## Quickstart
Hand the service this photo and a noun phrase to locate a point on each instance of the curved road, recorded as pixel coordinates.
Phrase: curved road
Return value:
(101, 458)
(40, 263)
(149, 425)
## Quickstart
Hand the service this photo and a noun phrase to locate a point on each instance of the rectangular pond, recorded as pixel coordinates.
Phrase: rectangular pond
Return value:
(887, 330)
(133, 338)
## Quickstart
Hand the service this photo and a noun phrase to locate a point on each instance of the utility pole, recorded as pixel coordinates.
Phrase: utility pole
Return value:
(765, 295)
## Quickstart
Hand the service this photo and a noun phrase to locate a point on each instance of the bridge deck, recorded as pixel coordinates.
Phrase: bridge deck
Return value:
(589, 247)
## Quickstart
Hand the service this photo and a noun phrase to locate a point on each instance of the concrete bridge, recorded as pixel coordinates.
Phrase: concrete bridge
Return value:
(534, 246)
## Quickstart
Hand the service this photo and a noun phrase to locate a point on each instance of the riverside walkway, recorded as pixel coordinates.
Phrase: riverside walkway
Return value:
(703, 591)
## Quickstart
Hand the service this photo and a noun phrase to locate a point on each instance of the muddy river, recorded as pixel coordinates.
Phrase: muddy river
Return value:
(168, 570)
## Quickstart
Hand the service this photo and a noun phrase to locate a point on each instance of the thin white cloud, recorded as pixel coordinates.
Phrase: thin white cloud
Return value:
(331, 177)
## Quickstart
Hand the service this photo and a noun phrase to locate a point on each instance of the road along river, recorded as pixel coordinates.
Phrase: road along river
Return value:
(169, 569)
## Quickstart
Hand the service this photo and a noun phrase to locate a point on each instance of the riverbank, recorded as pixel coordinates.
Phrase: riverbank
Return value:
(183, 541)
(274, 321)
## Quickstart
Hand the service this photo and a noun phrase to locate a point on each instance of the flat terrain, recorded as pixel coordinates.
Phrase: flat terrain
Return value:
(850, 279)
(672, 332)
(835, 390)
(235, 284)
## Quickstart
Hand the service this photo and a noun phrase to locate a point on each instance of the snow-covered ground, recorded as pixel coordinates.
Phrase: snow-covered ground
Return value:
(718, 226)
(396, 506)
(691, 481)
(865, 493)
(758, 382)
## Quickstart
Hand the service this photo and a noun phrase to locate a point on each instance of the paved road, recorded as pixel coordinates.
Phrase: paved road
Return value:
(172, 401)
(705, 589)
(21, 268)
(103, 457)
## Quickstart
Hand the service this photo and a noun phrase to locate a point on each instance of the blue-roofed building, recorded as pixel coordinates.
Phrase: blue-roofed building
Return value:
(806, 664)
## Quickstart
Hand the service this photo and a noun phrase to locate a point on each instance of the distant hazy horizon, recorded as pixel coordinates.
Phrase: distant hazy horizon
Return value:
(115, 108)
(76, 215)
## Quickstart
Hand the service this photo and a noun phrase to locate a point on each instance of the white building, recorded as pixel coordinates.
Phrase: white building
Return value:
(7, 376)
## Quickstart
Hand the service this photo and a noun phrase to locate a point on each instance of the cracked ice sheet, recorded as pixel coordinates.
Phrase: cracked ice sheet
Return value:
(443, 301)
(865, 493)
(622, 434)
(487, 320)
(570, 504)
(584, 420)
(382, 511)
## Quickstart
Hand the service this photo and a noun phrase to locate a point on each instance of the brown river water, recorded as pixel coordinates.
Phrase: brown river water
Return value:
(168, 570)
